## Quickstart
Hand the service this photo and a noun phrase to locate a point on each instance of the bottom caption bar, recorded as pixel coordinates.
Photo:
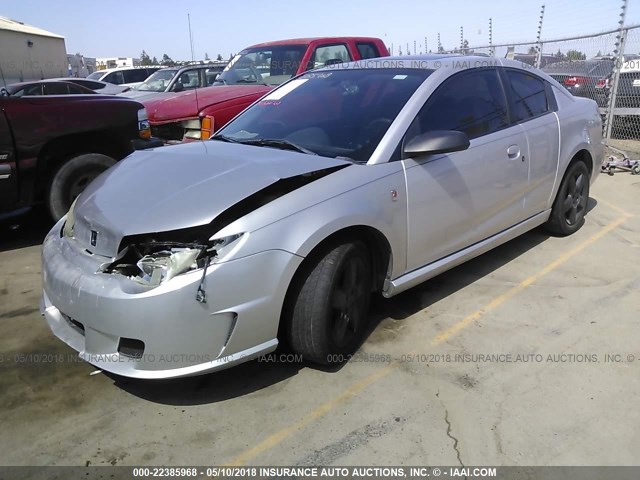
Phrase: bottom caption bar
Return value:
(319, 472)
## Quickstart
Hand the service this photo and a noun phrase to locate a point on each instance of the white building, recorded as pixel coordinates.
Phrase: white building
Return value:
(113, 62)
(30, 53)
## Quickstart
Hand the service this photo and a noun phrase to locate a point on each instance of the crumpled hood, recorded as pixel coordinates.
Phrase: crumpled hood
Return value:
(179, 106)
(179, 187)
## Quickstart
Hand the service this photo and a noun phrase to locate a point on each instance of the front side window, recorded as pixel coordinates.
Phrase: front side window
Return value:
(135, 75)
(188, 80)
(471, 102)
(263, 66)
(330, 55)
(529, 95)
(340, 113)
(115, 78)
(159, 81)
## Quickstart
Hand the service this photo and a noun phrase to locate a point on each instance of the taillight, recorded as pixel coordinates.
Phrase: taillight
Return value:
(206, 128)
(602, 83)
(575, 81)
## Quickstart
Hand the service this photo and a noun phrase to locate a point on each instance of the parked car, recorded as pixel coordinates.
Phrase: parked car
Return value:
(530, 58)
(175, 79)
(371, 177)
(103, 88)
(250, 75)
(582, 78)
(51, 147)
(628, 91)
(125, 76)
(43, 87)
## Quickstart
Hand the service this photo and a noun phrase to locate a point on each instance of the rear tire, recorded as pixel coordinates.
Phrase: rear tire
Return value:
(570, 205)
(329, 314)
(72, 178)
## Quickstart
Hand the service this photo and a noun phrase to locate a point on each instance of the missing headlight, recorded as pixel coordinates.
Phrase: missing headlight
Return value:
(154, 264)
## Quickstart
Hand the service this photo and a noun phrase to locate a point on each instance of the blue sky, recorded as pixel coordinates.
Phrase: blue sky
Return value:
(125, 28)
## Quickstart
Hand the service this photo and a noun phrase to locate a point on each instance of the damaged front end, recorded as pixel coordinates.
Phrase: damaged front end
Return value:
(152, 264)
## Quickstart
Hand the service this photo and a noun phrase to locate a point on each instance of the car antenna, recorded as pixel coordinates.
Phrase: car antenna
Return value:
(193, 58)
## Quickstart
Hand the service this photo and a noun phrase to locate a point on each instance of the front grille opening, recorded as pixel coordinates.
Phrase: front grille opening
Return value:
(130, 347)
(78, 325)
(74, 323)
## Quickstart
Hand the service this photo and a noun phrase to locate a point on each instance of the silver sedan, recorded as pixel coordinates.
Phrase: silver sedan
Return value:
(347, 181)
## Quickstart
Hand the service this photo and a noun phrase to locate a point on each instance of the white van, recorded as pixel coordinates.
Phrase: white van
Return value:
(124, 76)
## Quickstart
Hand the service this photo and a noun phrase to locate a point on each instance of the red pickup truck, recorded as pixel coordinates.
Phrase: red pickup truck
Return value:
(197, 114)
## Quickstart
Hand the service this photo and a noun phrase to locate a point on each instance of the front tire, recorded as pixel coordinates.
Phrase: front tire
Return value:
(72, 178)
(570, 205)
(329, 314)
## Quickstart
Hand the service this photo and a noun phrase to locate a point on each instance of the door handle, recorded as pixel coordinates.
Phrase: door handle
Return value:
(5, 172)
(513, 152)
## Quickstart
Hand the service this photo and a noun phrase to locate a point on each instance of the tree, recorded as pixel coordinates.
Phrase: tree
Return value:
(219, 58)
(576, 55)
(167, 61)
(532, 51)
(206, 56)
(144, 58)
(154, 61)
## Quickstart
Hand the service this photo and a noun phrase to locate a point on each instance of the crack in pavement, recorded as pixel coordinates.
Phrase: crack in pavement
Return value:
(455, 440)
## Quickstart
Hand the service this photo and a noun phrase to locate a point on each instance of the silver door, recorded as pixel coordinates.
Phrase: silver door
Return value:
(458, 199)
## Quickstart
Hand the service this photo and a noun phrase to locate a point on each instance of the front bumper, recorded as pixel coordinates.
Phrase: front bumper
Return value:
(100, 315)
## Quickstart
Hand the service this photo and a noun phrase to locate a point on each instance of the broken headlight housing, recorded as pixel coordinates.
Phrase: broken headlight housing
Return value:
(154, 263)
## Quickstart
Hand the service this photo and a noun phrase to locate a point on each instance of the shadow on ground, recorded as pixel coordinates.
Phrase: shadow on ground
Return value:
(24, 231)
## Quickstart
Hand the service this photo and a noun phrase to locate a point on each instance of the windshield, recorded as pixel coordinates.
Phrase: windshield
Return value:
(158, 82)
(96, 75)
(341, 113)
(267, 66)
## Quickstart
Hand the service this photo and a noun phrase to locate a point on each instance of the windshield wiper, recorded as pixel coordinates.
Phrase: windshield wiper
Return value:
(224, 138)
(281, 144)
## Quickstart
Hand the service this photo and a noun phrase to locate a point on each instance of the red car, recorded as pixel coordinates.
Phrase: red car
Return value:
(197, 114)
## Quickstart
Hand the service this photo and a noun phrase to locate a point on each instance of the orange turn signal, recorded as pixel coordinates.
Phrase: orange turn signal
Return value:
(206, 127)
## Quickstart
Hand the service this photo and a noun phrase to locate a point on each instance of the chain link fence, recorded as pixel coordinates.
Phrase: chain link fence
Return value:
(604, 67)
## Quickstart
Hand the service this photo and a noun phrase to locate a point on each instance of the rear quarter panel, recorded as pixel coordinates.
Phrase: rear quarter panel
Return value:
(580, 129)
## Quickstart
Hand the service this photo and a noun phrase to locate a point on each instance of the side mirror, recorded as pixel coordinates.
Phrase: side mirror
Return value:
(178, 87)
(436, 141)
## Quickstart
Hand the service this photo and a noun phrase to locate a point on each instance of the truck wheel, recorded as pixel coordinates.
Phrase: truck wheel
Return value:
(72, 178)
(570, 206)
(329, 315)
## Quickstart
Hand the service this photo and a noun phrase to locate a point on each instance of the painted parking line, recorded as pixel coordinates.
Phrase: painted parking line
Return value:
(278, 437)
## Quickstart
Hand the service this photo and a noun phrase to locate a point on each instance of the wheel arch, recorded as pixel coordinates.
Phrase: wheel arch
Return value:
(381, 262)
(59, 150)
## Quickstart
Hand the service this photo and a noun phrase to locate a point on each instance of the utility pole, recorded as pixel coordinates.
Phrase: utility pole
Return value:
(539, 39)
(491, 49)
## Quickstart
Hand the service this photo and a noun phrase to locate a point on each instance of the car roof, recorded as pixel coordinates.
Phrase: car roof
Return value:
(14, 87)
(115, 69)
(308, 40)
(425, 62)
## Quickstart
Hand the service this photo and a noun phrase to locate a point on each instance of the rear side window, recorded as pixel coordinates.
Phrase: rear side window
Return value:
(56, 89)
(367, 50)
(472, 102)
(136, 75)
(330, 55)
(529, 95)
